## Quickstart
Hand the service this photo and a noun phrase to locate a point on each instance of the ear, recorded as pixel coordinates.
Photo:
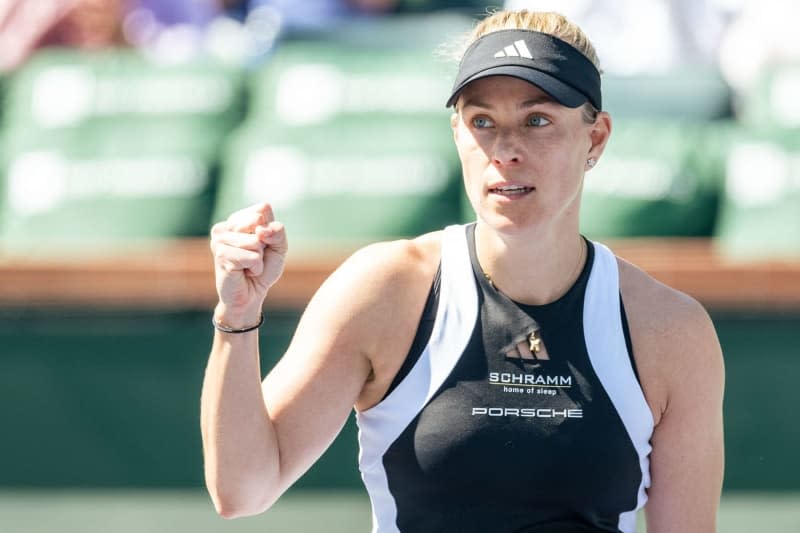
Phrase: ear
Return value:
(454, 125)
(600, 133)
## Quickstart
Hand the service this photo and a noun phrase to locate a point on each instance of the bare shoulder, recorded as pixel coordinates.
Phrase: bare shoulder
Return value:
(659, 306)
(674, 340)
(396, 271)
(393, 262)
(371, 305)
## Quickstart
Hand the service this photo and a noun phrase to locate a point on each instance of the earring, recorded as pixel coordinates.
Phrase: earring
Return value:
(591, 162)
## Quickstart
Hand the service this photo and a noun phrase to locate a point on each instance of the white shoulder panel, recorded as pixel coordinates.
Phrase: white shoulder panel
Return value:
(382, 424)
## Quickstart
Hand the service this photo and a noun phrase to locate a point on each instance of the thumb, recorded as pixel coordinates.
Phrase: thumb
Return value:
(274, 236)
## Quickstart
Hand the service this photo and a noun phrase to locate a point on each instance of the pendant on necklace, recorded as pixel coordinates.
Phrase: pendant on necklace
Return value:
(535, 342)
(489, 279)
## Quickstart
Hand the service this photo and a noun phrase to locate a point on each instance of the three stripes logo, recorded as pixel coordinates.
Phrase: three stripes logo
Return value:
(516, 49)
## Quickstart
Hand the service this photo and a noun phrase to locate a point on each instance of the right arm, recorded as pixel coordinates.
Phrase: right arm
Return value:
(239, 443)
(258, 438)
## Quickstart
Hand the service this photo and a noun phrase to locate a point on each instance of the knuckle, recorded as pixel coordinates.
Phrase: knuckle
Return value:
(223, 264)
(221, 256)
(227, 266)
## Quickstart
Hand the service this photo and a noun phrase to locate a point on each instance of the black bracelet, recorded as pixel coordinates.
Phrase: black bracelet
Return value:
(226, 329)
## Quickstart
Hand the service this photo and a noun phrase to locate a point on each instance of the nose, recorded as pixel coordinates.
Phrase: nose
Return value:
(507, 149)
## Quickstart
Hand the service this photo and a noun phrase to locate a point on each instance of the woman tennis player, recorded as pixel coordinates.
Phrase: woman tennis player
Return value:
(508, 375)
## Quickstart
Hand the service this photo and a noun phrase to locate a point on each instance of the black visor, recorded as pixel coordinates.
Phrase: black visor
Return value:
(551, 64)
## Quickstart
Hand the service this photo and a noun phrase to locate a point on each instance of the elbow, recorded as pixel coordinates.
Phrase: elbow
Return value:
(236, 498)
(230, 508)
(241, 489)
(229, 511)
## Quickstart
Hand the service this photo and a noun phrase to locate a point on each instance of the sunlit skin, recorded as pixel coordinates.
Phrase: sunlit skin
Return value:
(524, 158)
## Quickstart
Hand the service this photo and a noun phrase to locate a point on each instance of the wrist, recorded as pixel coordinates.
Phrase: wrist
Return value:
(236, 318)
(227, 329)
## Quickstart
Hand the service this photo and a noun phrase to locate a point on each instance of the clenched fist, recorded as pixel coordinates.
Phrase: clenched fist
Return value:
(249, 254)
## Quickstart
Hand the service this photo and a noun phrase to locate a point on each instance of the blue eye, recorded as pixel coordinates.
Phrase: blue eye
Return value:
(537, 121)
(482, 122)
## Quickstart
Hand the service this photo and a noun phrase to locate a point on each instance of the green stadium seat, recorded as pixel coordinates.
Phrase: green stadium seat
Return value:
(107, 185)
(347, 182)
(406, 31)
(656, 178)
(318, 81)
(348, 136)
(65, 89)
(693, 93)
(760, 212)
(110, 147)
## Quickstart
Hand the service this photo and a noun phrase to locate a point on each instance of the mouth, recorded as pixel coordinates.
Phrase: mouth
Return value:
(511, 190)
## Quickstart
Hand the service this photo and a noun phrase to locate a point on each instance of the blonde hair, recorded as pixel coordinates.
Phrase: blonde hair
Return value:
(550, 23)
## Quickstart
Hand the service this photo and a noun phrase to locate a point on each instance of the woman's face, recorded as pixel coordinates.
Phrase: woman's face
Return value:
(523, 154)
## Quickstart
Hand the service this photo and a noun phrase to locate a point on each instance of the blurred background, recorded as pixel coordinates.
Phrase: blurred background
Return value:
(127, 127)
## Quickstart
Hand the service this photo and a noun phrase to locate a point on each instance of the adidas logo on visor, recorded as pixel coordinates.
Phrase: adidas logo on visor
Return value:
(517, 49)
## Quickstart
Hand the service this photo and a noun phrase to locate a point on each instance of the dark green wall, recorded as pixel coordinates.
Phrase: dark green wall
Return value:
(762, 434)
(99, 398)
(112, 399)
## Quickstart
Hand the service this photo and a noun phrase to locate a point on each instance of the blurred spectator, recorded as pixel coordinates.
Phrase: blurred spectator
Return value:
(174, 30)
(315, 15)
(762, 35)
(472, 8)
(646, 36)
(239, 31)
(311, 15)
(27, 25)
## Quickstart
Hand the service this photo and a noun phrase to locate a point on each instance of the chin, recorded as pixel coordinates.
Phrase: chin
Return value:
(508, 225)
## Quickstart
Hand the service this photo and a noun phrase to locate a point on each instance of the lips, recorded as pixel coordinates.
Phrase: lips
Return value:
(510, 190)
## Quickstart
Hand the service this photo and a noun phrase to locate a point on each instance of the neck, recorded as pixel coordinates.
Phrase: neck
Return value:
(532, 268)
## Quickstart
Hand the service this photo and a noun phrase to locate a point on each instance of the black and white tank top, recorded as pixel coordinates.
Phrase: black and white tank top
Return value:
(477, 435)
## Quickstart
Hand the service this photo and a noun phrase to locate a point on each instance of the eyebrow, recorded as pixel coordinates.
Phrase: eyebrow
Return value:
(476, 102)
(544, 99)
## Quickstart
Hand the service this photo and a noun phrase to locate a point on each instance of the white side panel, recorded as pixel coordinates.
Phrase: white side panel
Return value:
(382, 424)
(605, 342)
